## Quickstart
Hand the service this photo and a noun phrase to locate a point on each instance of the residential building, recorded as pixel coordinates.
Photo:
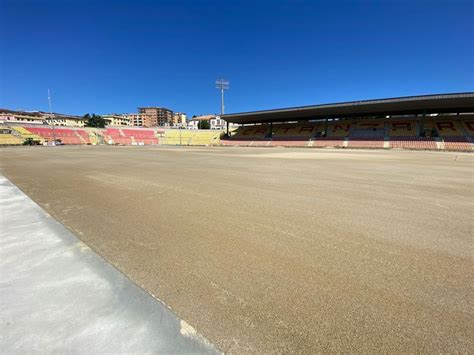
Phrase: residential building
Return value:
(114, 119)
(196, 122)
(12, 116)
(220, 124)
(40, 117)
(192, 124)
(65, 120)
(156, 116)
(136, 119)
(179, 119)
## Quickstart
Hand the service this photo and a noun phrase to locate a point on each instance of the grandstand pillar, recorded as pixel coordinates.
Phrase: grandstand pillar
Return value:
(228, 133)
(326, 127)
(271, 130)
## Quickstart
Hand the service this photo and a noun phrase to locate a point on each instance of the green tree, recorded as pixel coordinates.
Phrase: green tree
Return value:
(30, 141)
(204, 125)
(94, 120)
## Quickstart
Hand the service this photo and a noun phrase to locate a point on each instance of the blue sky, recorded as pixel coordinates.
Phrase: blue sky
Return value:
(114, 56)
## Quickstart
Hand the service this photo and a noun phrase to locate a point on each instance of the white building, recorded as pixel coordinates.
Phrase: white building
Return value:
(218, 123)
(193, 124)
(196, 122)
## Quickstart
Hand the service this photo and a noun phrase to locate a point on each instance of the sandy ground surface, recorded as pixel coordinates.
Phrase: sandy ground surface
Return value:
(276, 250)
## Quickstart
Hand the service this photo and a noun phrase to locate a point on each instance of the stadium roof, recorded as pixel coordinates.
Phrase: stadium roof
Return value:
(440, 103)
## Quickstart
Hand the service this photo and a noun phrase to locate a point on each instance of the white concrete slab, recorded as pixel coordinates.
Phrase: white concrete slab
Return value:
(57, 295)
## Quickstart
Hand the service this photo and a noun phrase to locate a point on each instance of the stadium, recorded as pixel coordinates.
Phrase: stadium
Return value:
(281, 249)
(236, 177)
(435, 122)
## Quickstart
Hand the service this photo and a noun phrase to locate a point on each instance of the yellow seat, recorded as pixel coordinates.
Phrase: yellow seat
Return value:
(10, 139)
(403, 128)
(190, 137)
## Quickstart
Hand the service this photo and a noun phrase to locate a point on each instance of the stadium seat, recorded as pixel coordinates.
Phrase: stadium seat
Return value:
(293, 131)
(326, 142)
(458, 144)
(403, 128)
(412, 143)
(288, 142)
(140, 136)
(340, 129)
(25, 133)
(251, 132)
(367, 134)
(190, 137)
(452, 133)
(116, 136)
(292, 135)
(366, 143)
(65, 135)
(10, 139)
(449, 128)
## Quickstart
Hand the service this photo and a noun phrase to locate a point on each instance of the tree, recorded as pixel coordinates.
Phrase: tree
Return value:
(204, 125)
(94, 120)
(30, 141)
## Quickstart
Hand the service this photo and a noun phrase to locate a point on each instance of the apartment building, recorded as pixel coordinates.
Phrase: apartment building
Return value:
(65, 120)
(136, 119)
(114, 119)
(156, 116)
(40, 117)
(12, 116)
(179, 119)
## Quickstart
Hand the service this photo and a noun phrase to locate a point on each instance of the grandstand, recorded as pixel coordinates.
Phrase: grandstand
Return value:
(190, 137)
(7, 137)
(452, 133)
(116, 136)
(367, 134)
(437, 122)
(292, 135)
(140, 136)
(112, 136)
(23, 134)
(62, 135)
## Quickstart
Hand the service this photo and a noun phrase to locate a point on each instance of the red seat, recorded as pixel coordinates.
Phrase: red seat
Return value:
(457, 143)
(412, 143)
(366, 143)
(327, 142)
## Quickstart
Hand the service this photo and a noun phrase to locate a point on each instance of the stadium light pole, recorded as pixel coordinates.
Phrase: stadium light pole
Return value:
(222, 85)
(51, 116)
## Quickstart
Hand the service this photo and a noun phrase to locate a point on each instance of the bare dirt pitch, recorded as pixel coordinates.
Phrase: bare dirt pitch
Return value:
(276, 250)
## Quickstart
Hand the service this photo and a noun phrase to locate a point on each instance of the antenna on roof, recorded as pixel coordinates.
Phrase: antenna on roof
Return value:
(222, 84)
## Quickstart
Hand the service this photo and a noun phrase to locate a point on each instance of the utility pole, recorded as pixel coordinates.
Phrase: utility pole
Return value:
(222, 85)
(51, 116)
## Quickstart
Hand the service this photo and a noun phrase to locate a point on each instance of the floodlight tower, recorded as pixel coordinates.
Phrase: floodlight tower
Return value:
(222, 84)
(51, 116)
